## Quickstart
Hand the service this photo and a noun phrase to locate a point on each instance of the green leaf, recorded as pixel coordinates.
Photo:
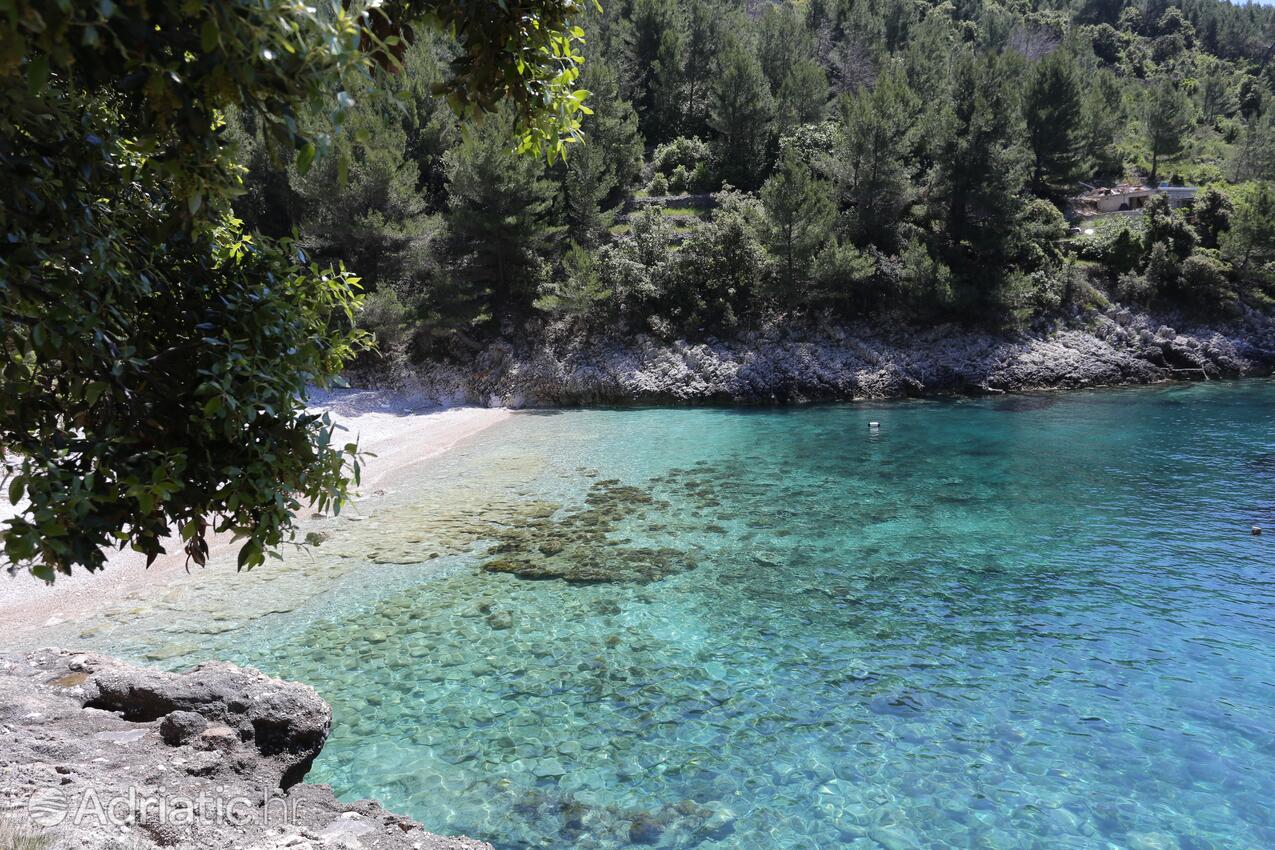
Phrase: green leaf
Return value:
(37, 74)
(16, 487)
(305, 157)
(209, 36)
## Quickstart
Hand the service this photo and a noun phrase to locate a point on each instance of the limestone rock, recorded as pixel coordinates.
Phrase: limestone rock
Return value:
(788, 363)
(77, 728)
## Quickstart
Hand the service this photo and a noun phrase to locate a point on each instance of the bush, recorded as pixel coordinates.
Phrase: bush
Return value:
(924, 281)
(1133, 288)
(842, 277)
(578, 290)
(1114, 245)
(1162, 268)
(386, 318)
(681, 180)
(1206, 284)
(718, 272)
(688, 153)
(658, 187)
(1040, 231)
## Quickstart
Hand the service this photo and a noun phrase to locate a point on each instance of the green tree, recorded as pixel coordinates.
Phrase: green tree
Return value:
(783, 41)
(742, 110)
(611, 160)
(1166, 121)
(1103, 121)
(871, 167)
(578, 290)
(497, 220)
(977, 162)
(659, 60)
(802, 97)
(1254, 157)
(705, 21)
(719, 271)
(799, 216)
(156, 355)
(1051, 105)
(1250, 243)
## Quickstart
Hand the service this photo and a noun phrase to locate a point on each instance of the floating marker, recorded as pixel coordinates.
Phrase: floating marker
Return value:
(1257, 531)
(874, 426)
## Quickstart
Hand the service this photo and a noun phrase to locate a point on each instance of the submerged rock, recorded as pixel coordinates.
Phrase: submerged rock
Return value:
(578, 545)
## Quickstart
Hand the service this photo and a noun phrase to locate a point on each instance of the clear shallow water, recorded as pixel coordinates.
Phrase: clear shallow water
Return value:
(1018, 623)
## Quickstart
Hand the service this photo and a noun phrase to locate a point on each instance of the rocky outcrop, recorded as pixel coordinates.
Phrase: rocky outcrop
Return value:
(842, 363)
(97, 754)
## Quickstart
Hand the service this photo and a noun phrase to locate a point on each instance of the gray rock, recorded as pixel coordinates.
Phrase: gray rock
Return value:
(181, 727)
(794, 364)
(286, 723)
(80, 727)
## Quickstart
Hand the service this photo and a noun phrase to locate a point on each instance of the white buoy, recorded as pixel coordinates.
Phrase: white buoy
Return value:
(874, 426)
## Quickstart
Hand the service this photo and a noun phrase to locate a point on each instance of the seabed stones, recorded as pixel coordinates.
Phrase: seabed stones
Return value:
(576, 546)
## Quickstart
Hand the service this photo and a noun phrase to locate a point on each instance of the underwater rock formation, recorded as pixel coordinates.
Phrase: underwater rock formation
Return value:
(577, 546)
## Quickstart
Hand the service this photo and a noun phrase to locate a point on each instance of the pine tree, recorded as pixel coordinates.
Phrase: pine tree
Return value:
(609, 161)
(496, 218)
(659, 60)
(1250, 243)
(1255, 154)
(799, 217)
(1103, 117)
(741, 116)
(783, 41)
(802, 97)
(1052, 111)
(1166, 122)
(871, 168)
(978, 161)
(703, 40)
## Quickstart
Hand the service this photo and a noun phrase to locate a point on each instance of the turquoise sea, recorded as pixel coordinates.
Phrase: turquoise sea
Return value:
(1025, 622)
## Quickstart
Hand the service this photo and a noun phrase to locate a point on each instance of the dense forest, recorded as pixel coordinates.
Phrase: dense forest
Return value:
(747, 162)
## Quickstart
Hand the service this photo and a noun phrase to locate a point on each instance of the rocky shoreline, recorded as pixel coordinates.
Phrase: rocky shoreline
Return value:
(782, 365)
(98, 754)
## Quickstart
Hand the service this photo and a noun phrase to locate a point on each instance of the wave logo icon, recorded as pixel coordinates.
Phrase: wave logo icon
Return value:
(48, 807)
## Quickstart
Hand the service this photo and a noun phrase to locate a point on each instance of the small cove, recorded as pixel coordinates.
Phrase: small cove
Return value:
(1005, 623)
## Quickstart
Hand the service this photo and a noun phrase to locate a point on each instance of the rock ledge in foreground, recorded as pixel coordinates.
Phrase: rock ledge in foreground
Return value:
(98, 754)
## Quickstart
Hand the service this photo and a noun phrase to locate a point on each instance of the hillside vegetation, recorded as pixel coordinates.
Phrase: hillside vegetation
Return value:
(854, 159)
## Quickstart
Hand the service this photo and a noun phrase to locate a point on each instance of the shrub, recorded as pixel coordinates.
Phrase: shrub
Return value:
(385, 317)
(1162, 268)
(578, 290)
(1206, 284)
(1133, 288)
(658, 186)
(681, 180)
(1114, 245)
(925, 281)
(688, 153)
(842, 276)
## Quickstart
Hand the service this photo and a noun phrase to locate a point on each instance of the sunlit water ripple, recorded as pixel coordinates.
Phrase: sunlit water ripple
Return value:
(1003, 624)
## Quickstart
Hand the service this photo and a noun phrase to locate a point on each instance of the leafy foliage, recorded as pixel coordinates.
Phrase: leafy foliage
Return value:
(156, 354)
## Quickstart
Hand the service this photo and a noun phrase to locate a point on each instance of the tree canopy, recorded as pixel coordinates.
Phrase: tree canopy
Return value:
(156, 354)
